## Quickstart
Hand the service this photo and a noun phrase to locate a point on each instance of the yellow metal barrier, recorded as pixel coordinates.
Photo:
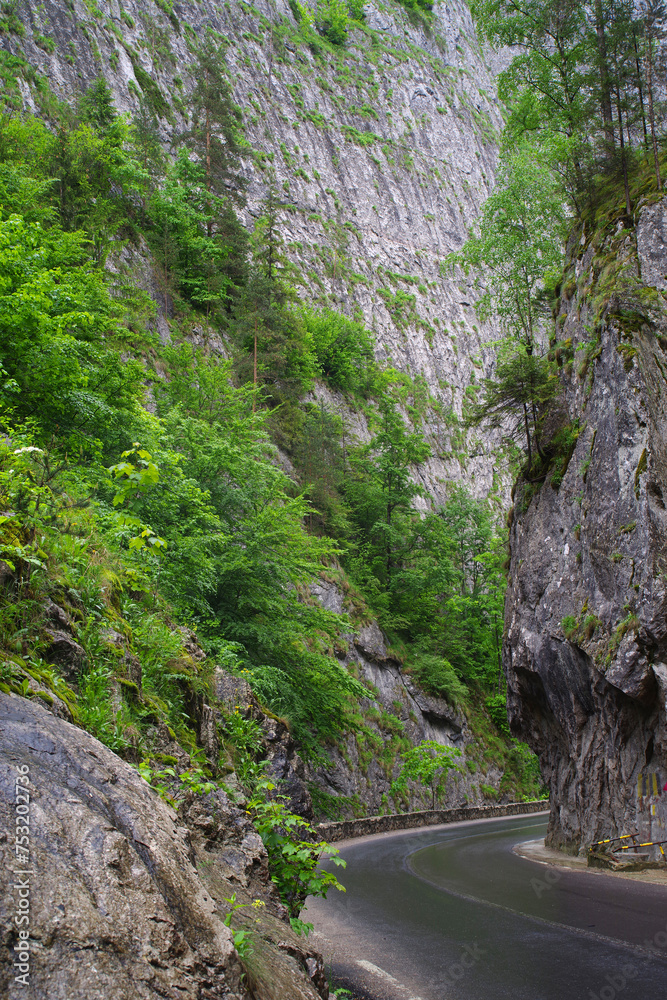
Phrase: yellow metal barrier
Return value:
(649, 843)
(613, 840)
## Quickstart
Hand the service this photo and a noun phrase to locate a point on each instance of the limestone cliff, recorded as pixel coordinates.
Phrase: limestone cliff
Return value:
(586, 633)
(383, 151)
(357, 778)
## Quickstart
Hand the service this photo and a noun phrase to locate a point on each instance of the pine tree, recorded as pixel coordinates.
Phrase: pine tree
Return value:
(214, 135)
(522, 385)
(268, 329)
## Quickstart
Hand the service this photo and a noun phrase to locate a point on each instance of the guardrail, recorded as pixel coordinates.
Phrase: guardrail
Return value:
(614, 840)
(350, 828)
(649, 843)
(602, 846)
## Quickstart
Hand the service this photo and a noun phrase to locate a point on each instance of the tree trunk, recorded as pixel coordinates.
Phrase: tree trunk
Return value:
(537, 439)
(254, 369)
(624, 159)
(651, 113)
(527, 426)
(605, 88)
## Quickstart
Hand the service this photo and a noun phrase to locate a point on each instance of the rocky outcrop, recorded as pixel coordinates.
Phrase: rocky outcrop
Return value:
(127, 898)
(283, 763)
(586, 614)
(358, 776)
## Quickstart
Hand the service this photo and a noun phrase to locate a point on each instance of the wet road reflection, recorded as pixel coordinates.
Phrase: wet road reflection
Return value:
(451, 912)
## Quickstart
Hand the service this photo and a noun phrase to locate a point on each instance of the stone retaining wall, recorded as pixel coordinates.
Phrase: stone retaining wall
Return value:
(428, 817)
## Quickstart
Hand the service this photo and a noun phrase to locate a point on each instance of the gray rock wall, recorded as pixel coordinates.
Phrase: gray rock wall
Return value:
(586, 625)
(361, 770)
(112, 878)
(383, 152)
(127, 898)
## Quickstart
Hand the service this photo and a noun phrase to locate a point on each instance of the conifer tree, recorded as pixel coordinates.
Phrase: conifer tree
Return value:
(214, 134)
(523, 383)
(268, 329)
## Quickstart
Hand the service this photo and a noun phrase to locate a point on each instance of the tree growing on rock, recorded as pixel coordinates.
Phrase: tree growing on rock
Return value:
(522, 385)
(429, 763)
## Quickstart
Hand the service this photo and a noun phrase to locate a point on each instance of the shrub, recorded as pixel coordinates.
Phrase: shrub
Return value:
(343, 348)
(333, 20)
(428, 763)
(294, 858)
(437, 676)
(496, 706)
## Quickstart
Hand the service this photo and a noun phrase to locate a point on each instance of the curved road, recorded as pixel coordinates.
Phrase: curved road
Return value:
(451, 913)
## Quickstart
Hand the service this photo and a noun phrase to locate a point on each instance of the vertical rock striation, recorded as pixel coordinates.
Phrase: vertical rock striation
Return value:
(382, 152)
(586, 625)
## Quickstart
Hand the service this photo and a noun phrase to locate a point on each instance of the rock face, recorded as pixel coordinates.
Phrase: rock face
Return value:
(382, 150)
(117, 906)
(586, 627)
(358, 779)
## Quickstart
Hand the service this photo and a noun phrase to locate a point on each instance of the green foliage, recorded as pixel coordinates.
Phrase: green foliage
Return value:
(295, 859)
(214, 133)
(381, 492)
(242, 938)
(429, 763)
(332, 19)
(10, 22)
(245, 735)
(523, 385)
(580, 85)
(151, 91)
(496, 706)
(164, 782)
(520, 243)
(419, 11)
(437, 676)
(523, 771)
(198, 522)
(278, 354)
(569, 625)
(56, 319)
(344, 351)
(195, 236)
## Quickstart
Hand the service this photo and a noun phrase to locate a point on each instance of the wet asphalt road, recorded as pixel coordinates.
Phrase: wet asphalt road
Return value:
(450, 913)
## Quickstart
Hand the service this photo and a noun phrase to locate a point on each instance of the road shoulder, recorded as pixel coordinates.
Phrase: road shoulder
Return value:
(535, 850)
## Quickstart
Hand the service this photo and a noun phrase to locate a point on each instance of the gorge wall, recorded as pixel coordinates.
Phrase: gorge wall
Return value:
(586, 637)
(382, 150)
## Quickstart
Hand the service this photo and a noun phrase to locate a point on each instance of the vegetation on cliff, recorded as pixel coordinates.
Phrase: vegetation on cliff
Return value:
(582, 152)
(141, 483)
